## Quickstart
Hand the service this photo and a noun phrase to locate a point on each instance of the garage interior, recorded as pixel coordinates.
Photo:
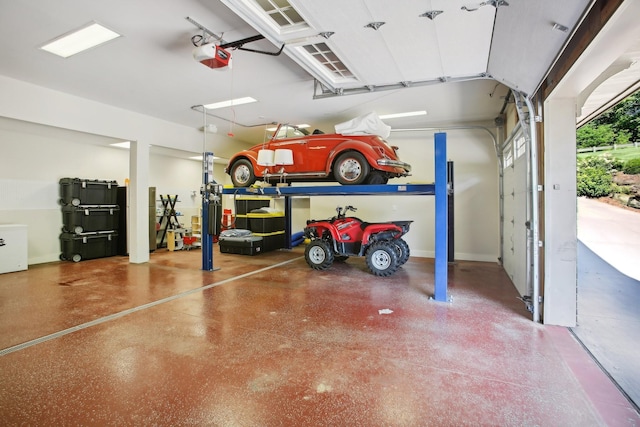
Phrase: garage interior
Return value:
(152, 338)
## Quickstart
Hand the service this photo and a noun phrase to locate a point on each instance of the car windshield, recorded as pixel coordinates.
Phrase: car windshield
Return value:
(289, 131)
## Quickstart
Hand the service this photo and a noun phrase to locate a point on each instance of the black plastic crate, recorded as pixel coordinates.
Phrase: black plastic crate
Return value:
(241, 221)
(271, 241)
(245, 245)
(76, 191)
(78, 247)
(83, 219)
(266, 222)
(244, 205)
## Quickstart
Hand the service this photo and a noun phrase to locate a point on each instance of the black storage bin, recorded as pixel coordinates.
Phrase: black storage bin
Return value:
(90, 218)
(76, 191)
(271, 241)
(241, 221)
(215, 218)
(266, 222)
(244, 205)
(245, 245)
(77, 247)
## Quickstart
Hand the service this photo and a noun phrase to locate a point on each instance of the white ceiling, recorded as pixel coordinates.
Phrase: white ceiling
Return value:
(449, 63)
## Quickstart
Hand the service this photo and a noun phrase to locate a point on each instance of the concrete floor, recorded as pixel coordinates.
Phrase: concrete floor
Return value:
(608, 321)
(266, 341)
(609, 290)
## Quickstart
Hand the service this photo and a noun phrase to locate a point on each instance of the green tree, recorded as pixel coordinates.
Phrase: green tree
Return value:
(593, 135)
(624, 116)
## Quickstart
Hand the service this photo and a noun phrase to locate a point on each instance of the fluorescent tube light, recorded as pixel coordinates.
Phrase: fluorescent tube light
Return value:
(200, 158)
(230, 103)
(91, 35)
(125, 144)
(408, 114)
(302, 126)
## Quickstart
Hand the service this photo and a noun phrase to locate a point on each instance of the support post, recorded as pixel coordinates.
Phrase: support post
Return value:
(138, 203)
(206, 238)
(288, 212)
(451, 224)
(441, 223)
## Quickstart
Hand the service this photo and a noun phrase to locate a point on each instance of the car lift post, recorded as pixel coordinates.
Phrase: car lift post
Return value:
(211, 192)
(442, 217)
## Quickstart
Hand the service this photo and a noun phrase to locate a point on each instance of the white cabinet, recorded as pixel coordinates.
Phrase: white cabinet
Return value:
(13, 247)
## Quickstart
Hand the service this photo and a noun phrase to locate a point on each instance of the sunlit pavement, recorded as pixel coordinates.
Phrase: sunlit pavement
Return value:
(609, 290)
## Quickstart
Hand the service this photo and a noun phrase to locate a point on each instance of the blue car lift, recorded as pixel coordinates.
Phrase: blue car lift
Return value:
(440, 190)
(211, 198)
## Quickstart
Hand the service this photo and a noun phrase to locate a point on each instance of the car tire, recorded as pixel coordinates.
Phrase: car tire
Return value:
(382, 259)
(377, 178)
(242, 174)
(318, 255)
(351, 168)
(402, 250)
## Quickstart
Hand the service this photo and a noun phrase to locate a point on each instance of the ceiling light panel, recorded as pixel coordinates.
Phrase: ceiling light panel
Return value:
(400, 115)
(87, 37)
(230, 103)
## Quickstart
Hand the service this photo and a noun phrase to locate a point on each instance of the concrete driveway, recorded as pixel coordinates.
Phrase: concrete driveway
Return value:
(612, 233)
(609, 290)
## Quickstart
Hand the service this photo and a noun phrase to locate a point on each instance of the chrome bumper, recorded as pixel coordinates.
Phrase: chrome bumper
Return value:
(395, 164)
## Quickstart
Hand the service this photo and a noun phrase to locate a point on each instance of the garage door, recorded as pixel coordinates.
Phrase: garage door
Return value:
(515, 213)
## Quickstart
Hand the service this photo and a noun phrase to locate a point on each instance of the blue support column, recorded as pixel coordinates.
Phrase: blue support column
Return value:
(442, 218)
(288, 212)
(206, 238)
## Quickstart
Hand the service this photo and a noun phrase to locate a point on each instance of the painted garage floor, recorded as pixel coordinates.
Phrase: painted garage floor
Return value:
(266, 341)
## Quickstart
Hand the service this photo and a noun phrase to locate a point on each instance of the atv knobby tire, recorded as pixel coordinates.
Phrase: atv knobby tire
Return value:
(318, 255)
(382, 258)
(402, 249)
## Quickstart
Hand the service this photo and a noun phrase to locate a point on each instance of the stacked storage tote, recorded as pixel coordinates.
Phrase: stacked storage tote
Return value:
(257, 229)
(90, 219)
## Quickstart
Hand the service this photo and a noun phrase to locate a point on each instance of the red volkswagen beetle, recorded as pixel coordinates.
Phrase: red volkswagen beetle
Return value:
(293, 154)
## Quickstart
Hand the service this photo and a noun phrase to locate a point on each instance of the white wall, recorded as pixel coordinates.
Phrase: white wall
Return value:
(39, 157)
(34, 158)
(476, 212)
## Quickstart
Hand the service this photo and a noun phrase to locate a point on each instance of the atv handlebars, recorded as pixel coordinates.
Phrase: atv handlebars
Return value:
(343, 212)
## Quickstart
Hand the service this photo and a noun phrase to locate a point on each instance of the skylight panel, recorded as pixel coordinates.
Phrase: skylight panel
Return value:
(281, 12)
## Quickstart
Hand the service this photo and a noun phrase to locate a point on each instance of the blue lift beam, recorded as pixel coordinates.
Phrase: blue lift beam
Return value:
(439, 190)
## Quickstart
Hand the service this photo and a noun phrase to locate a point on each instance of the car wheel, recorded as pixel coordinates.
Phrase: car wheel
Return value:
(382, 259)
(402, 250)
(351, 168)
(377, 178)
(318, 255)
(242, 174)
